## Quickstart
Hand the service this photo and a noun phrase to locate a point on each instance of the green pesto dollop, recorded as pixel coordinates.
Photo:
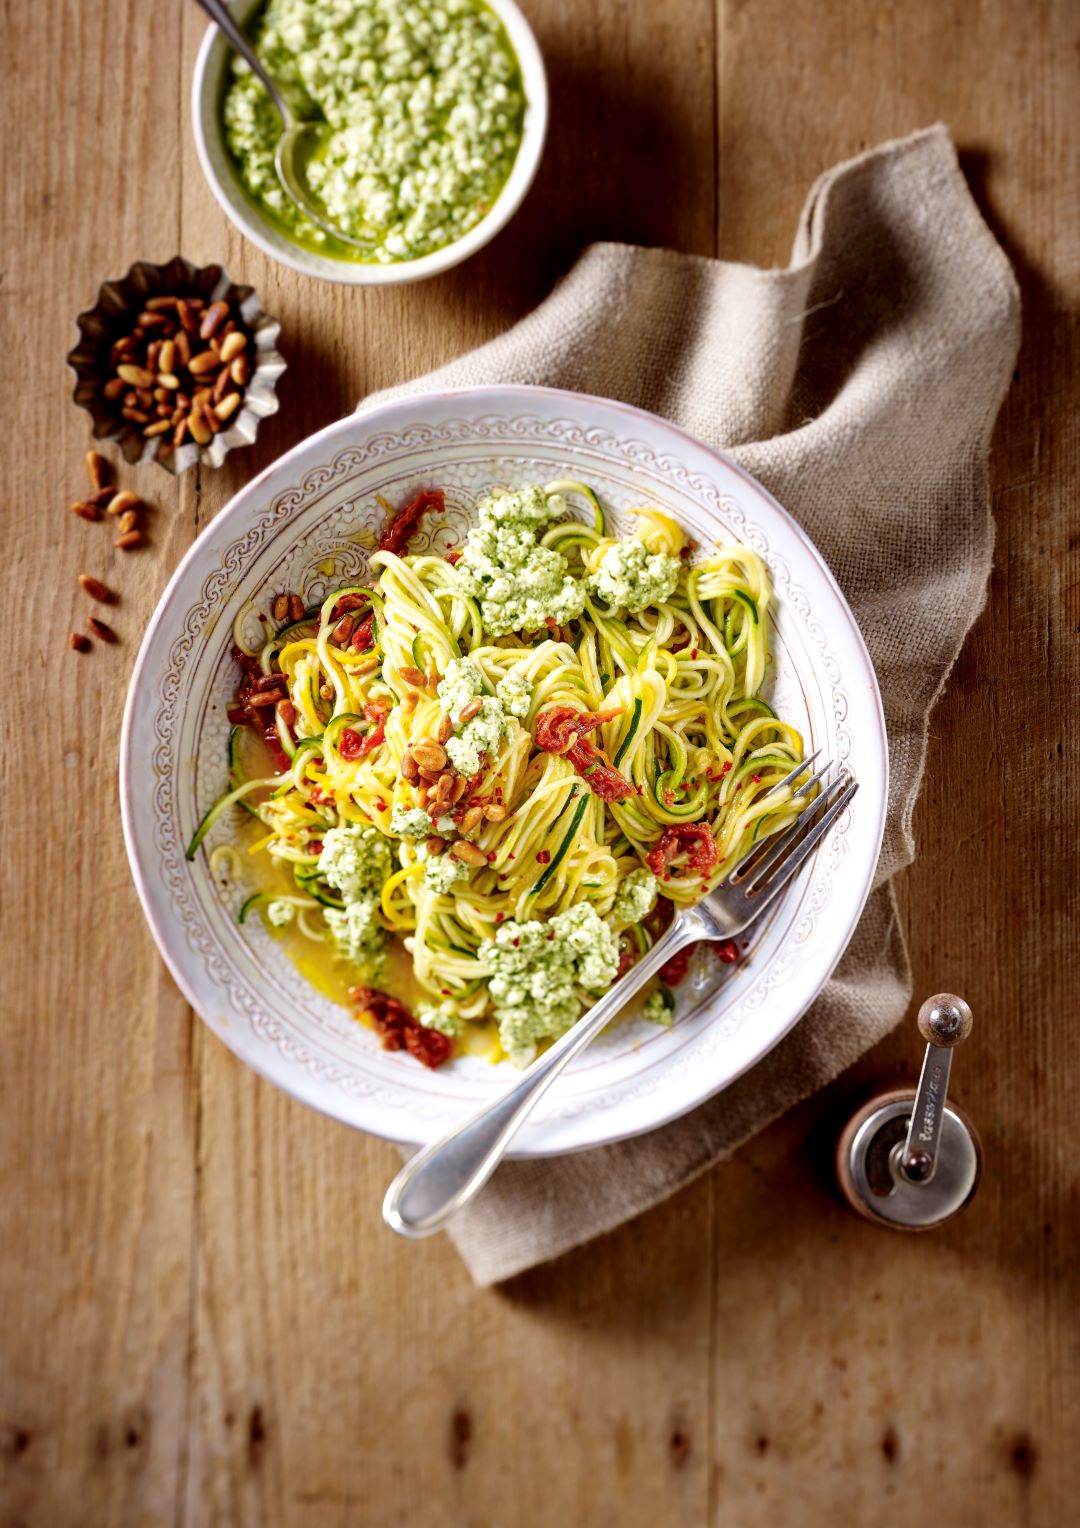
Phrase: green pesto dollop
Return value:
(423, 106)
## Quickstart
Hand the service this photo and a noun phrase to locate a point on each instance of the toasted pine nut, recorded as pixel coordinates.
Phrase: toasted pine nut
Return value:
(470, 710)
(471, 820)
(413, 676)
(95, 589)
(125, 499)
(434, 844)
(468, 853)
(98, 468)
(368, 666)
(296, 607)
(181, 429)
(183, 348)
(156, 304)
(457, 789)
(129, 541)
(127, 521)
(410, 769)
(280, 607)
(240, 370)
(495, 812)
(422, 795)
(429, 754)
(113, 389)
(215, 315)
(227, 407)
(169, 380)
(85, 510)
(445, 730)
(205, 361)
(135, 415)
(442, 791)
(185, 311)
(233, 345)
(151, 319)
(201, 432)
(158, 428)
(167, 355)
(101, 631)
(136, 376)
(326, 691)
(78, 643)
(343, 630)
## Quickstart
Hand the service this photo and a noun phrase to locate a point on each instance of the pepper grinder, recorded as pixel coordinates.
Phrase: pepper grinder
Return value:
(907, 1159)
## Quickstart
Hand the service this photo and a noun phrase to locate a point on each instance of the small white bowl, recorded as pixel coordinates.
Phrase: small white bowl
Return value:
(206, 94)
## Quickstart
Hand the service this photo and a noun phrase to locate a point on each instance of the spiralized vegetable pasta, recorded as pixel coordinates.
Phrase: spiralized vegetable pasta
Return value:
(680, 773)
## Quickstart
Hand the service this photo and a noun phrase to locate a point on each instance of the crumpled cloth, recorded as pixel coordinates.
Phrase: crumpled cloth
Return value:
(860, 385)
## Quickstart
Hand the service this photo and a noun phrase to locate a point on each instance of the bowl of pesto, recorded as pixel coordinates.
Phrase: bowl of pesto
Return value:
(435, 116)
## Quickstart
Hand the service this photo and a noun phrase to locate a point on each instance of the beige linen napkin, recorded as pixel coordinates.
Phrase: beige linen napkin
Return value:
(860, 386)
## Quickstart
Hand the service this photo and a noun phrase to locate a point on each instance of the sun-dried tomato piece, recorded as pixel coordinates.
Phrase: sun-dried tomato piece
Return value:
(401, 526)
(692, 838)
(399, 1029)
(562, 730)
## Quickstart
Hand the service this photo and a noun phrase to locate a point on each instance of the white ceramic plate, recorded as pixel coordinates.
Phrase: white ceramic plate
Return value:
(279, 533)
(206, 92)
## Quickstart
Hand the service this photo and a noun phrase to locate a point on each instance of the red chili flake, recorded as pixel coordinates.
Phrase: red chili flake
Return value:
(726, 767)
(627, 957)
(380, 805)
(499, 917)
(399, 1029)
(401, 525)
(544, 857)
(362, 638)
(454, 557)
(693, 838)
(693, 652)
(726, 950)
(376, 711)
(756, 779)
(273, 742)
(492, 857)
(316, 846)
(669, 798)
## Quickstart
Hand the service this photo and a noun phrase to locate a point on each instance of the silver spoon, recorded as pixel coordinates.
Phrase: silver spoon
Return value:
(287, 156)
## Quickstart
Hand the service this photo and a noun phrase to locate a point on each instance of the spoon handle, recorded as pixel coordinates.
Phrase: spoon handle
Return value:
(435, 1183)
(219, 12)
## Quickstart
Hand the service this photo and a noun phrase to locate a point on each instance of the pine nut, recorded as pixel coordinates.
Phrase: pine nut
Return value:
(240, 370)
(169, 380)
(233, 345)
(434, 844)
(470, 710)
(95, 589)
(113, 389)
(343, 630)
(129, 541)
(86, 511)
(201, 432)
(280, 607)
(495, 812)
(101, 631)
(98, 468)
(429, 754)
(457, 790)
(78, 643)
(444, 731)
(205, 361)
(135, 415)
(468, 853)
(227, 407)
(125, 499)
(159, 428)
(410, 769)
(167, 355)
(215, 315)
(296, 608)
(128, 521)
(471, 820)
(136, 376)
(413, 676)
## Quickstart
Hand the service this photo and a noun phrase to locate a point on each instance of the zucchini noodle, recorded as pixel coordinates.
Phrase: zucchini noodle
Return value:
(673, 696)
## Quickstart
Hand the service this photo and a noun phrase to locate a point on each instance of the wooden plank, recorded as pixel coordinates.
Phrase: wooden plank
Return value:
(96, 1104)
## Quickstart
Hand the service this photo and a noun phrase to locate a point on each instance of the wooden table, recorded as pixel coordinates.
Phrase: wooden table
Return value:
(201, 1318)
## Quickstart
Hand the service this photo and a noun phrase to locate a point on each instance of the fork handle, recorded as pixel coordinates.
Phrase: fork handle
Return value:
(443, 1177)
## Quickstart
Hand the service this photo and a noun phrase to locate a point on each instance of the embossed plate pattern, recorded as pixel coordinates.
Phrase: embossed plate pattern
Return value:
(281, 532)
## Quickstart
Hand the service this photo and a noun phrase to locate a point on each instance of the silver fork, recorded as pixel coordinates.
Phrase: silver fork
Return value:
(440, 1180)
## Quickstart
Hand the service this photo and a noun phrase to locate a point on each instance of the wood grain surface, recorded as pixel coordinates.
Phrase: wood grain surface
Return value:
(201, 1318)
